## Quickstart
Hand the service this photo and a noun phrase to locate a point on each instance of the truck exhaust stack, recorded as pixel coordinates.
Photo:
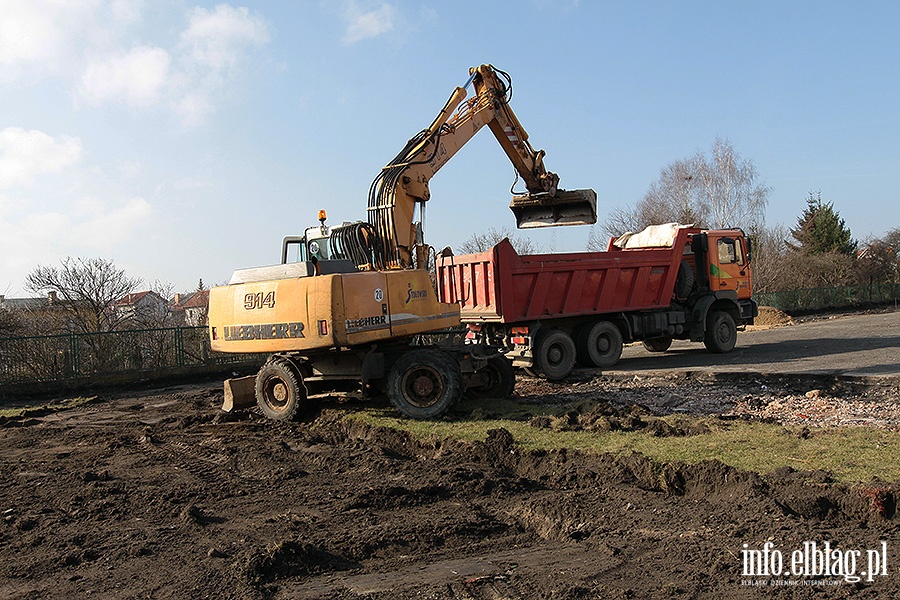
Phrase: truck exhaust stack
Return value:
(566, 207)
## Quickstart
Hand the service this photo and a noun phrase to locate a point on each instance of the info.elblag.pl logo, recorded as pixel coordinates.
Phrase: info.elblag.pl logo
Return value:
(827, 564)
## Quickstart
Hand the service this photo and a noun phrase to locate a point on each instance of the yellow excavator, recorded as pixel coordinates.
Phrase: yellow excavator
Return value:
(357, 304)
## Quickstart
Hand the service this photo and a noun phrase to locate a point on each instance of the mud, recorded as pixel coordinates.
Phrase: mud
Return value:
(160, 495)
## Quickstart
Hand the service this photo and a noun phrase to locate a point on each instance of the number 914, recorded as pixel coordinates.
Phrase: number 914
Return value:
(259, 300)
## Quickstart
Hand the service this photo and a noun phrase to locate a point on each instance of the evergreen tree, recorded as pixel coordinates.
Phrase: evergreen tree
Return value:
(821, 230)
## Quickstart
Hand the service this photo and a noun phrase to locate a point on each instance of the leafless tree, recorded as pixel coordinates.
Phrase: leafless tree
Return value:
(718, 190)
(481, 241)
(769, 252)
(729, 188)
(86, 289)
(10, 323)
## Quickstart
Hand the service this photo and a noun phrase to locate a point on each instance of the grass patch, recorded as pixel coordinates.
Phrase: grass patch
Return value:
(43, 409)
(850, 454)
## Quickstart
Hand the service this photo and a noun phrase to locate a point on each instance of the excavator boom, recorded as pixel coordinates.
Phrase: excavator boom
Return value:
(403, 184)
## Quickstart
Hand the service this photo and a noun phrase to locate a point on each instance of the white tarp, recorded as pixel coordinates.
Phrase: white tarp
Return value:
(654, 236)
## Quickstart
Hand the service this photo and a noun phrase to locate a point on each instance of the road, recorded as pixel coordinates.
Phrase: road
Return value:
(852, 346)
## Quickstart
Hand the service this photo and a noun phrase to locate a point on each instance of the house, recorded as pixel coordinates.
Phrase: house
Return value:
(142, 309)
(193, 307)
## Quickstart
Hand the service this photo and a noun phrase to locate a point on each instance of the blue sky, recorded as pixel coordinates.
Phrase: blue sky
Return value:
(183, 140)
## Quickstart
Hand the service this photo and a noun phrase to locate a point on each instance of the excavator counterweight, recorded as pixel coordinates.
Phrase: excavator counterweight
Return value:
(566, 207)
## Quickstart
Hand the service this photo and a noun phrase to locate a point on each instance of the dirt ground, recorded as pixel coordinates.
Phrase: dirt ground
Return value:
(161, 495)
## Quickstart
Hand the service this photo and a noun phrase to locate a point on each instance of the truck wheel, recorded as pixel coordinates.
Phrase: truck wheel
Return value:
(721, 332)
(280, 392)
(599, 345)
(424, 384)
(660, 344)
(502, 380)
(554, 354)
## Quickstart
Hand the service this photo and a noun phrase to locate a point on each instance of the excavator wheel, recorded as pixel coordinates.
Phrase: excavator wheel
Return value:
(502, 378)
(424, 384)
(280, 392)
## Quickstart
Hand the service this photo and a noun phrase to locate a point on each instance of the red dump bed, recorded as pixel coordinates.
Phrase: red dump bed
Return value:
(501, 286)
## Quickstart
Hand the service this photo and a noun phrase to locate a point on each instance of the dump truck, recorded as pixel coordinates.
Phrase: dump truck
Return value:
(356, 308)
(549, 312)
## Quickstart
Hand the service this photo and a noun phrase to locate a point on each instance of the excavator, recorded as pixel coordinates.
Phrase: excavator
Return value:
(359, 308)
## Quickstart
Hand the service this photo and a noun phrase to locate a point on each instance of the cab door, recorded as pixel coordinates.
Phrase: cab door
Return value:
(728, 268)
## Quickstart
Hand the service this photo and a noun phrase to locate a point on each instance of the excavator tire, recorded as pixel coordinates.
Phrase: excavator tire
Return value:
(424, 384)
(502, 380)
(280, 393)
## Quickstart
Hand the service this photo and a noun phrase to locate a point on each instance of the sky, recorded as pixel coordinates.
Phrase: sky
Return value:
(183, 140)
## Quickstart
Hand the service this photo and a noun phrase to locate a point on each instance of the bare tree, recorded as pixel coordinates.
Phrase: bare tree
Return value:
(86, 289)
(481, 241)
(10, 322)
(729, 188)
(770, 249)
(719, 190)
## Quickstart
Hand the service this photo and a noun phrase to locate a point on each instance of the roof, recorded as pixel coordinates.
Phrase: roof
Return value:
(24, 303)
(132, 299)
(197, 300)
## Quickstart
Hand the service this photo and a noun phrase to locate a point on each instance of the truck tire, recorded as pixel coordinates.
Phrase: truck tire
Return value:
(721, 332)
(554, 354)
(280, 393)
(502, 380)
(599, 345)
(424, 384)
(660, 344)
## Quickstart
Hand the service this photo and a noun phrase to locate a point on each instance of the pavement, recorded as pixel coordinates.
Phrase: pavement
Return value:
(857, 346)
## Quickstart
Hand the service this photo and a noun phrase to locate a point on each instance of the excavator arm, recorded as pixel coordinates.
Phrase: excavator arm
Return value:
(402, 185)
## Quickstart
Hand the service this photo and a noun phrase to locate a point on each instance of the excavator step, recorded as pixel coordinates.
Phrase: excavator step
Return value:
(566, 207)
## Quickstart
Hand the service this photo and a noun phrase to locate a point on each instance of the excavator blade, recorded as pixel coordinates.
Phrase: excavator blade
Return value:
(566, 207)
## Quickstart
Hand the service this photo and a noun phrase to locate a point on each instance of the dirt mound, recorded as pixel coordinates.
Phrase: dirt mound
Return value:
(593, 415)
(770, 316)
(291, 559)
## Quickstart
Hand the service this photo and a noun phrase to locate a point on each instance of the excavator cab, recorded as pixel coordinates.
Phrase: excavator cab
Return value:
(565, 207)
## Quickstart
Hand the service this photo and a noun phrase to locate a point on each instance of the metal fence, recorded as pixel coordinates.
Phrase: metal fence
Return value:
(835, 297)
(79, 355)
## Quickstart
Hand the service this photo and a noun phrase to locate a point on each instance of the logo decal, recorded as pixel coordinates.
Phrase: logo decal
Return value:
(412, 294)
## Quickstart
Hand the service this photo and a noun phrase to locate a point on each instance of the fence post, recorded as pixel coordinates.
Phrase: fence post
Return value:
(73, 351)
(179, 347)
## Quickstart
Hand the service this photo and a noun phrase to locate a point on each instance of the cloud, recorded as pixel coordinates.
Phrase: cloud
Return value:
(217, 38)
(92, 227)
(363, 24)
(37, 35)
(102, 229)
(87, 43)
(138, 78)
(26, 154)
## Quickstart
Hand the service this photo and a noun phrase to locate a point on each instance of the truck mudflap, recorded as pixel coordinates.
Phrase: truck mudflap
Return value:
(565, 207)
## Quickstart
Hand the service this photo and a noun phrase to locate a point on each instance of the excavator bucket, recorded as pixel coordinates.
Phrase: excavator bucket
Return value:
(566, 207)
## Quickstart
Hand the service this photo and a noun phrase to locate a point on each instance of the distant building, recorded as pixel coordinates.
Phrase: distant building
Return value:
(33, 316)
(141, 309)
(193, 308)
